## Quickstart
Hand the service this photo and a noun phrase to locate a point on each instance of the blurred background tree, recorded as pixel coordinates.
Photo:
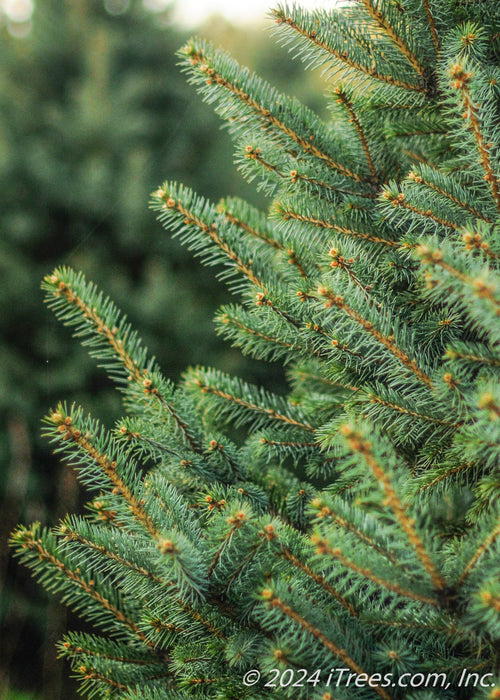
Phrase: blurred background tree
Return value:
(94, 115)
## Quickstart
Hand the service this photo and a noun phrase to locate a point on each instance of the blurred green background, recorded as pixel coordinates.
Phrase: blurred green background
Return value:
(94, 115)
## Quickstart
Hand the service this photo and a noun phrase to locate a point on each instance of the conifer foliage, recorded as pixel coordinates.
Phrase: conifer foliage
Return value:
(353, 524)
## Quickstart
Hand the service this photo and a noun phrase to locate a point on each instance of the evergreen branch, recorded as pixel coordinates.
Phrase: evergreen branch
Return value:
(105, 514)
(234, 322)
(265, 116)
(186, 573)
(319, 579)
(26, 539)
(199, 681)
(183, 604)
(325, 512)
(487, 401)
(154, 447)
(461, 81)
(308, 326)
(233, 212)
(293, 176)
(235, 522)
(255, 153)
(245, 396)
(422, 416)
(259, 227)
(81, 645)
(322, 547)
(242, 327)
(445, 626)
(227, 456)
(159, 625)
(344, 348)
(232, 218)
(467, 206)
(354, 119)
(474, 241)
(67, 431)
(207, 389)
(416, 157)
(482, 549)
(489, 597)
(418, 131)
(343, 56)
(399, 200)
(305, 375)
(288, 443)
(284, 551)
(432, 26)
(64, 286)
(181, 424)
(340, 262)
(243, 564)
(335, 343)
(363, 447)
(454, 354)
(191, 219)
(88, 674)
(388, 29)
(411, 625)
(262, 300)
(446, 474)
(129, 435)
(322, 185)
(201, 619)
(62, 289)
(70, 534)
(388, 342)
(478, 286)
(287, 213)
(273, 601)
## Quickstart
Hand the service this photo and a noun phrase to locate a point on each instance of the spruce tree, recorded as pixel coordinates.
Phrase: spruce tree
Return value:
(340, 541)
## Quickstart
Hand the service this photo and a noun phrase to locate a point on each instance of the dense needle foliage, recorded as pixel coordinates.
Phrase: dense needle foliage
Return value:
(353, 523)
